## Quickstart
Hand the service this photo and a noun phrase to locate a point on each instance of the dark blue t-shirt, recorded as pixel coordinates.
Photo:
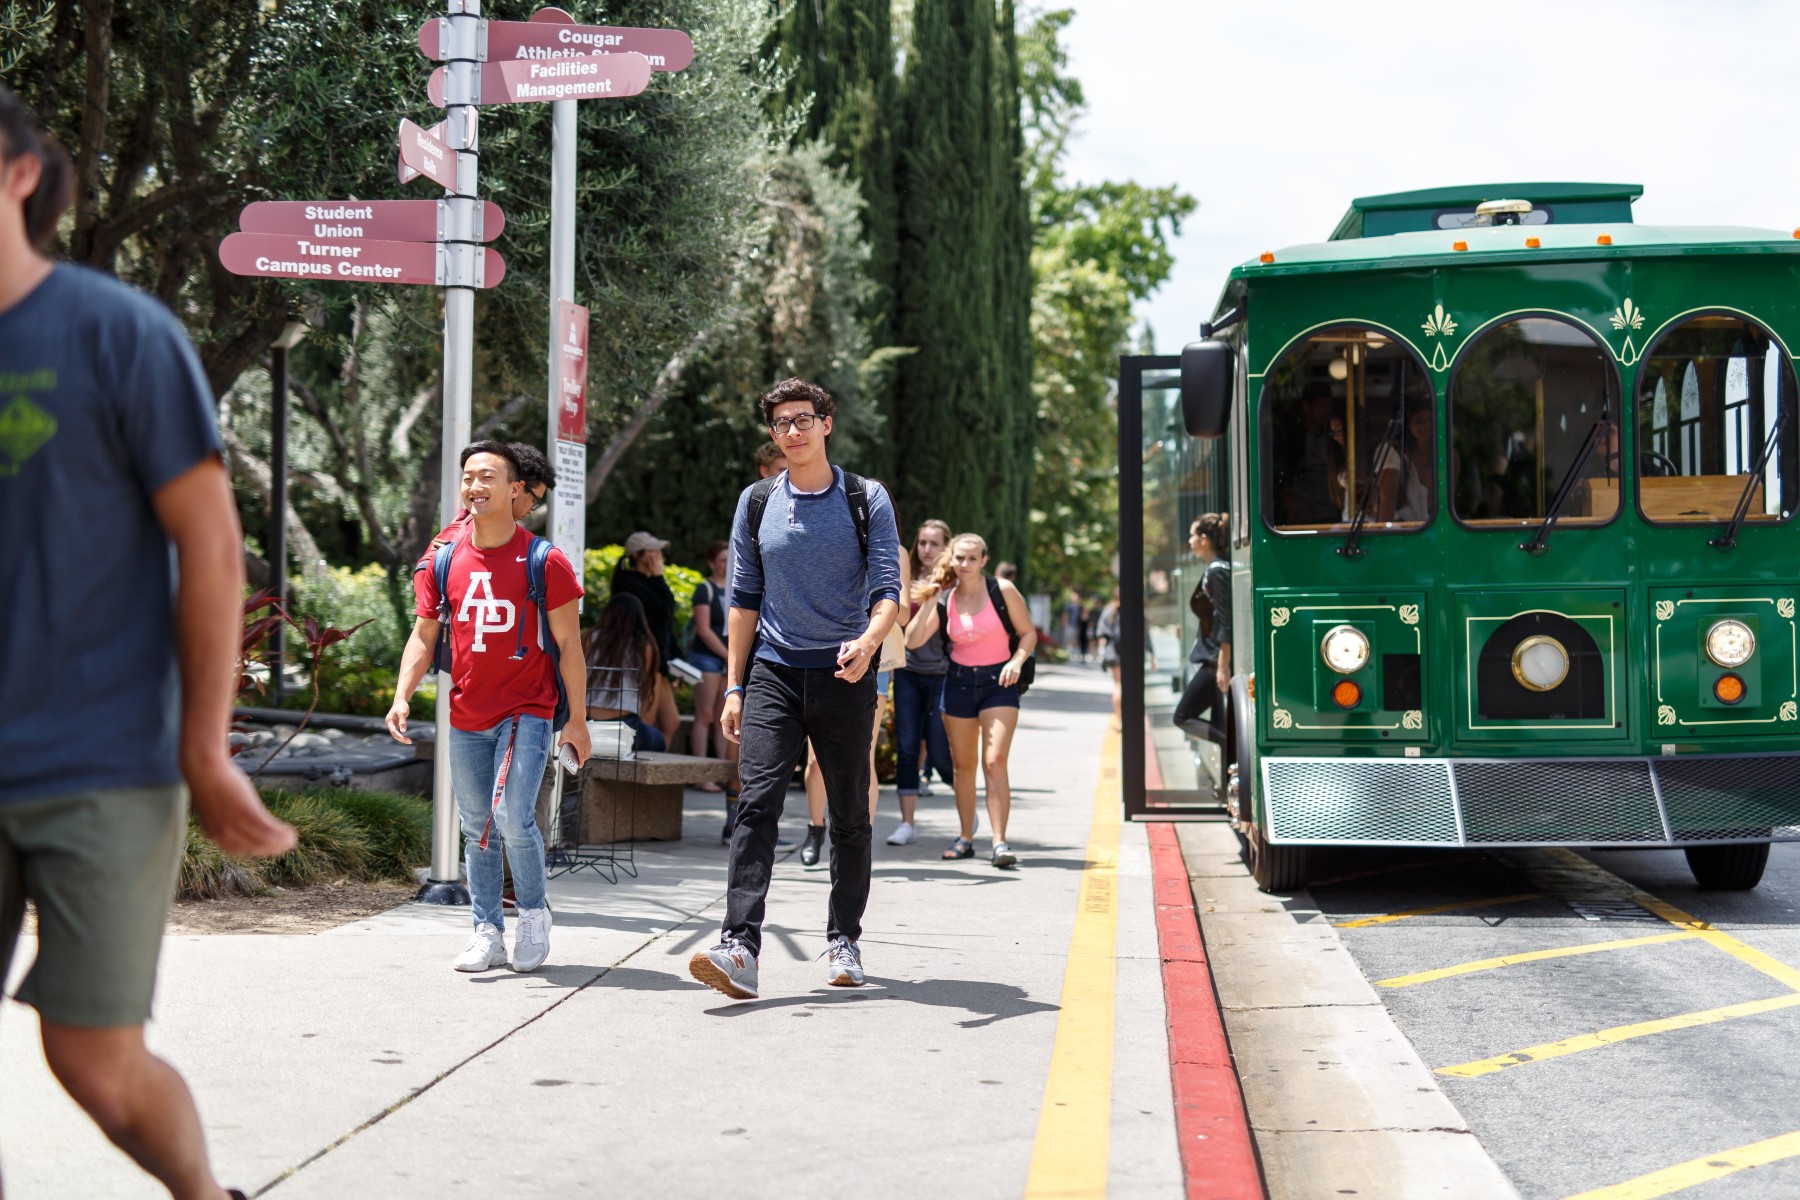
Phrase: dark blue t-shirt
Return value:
(102, 402)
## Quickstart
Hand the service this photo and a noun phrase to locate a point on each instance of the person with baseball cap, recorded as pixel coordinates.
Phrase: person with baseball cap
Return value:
(640, 574)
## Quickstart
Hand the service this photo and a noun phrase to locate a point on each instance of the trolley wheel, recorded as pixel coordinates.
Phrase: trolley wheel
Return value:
(1735, 868)
(1275, 868)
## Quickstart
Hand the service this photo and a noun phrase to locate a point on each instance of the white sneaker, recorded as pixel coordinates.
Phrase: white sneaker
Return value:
(925, 787)
(903, 835)
(531, 945)
(486, 949)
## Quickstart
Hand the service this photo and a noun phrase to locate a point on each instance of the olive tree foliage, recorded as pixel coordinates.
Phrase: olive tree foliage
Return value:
(179, 114)
(1097, 251)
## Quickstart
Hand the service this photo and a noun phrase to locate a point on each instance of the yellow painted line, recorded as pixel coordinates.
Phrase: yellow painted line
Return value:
(1513, 960)
(1459, 906)
(1619, 1033)
(1069, 1157)
(1750, 956)
(1696, 1171)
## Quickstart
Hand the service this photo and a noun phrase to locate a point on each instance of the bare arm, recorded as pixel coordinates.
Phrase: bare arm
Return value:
(854, 656)
(565, 627)
(1020, 615)
(704, 629)
(740, 631)
(198, 513)
(924, 625)
(413, 663)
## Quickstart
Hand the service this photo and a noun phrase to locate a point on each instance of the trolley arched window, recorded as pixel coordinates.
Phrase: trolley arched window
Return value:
(1348, 425)
(1526, 398)
(1716, 424)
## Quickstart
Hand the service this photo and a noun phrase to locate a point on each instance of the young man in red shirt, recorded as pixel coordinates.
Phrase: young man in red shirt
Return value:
(502, 697)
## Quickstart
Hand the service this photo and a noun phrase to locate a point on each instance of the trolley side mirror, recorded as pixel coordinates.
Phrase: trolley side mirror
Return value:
(1207, 369)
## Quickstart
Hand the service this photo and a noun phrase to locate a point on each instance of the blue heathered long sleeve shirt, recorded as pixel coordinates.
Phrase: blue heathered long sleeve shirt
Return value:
(813, 589)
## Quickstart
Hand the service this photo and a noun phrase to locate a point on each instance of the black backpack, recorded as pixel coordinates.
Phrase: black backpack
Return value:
(856, 492)
(536, 595)
(1027, 672)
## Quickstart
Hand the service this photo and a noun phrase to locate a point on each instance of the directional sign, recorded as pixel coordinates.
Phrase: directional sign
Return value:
(423, 152)
(542, 38)
(390, 220)
(344, 260)
(568, 515)
(587, 77)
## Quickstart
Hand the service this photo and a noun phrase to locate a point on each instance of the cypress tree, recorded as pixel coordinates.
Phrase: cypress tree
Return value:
(1013, 282)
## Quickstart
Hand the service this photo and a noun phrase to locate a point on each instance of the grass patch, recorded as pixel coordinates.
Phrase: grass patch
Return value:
(344, 834)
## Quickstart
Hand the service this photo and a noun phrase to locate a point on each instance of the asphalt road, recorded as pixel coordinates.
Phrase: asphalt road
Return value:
(1569, 1066)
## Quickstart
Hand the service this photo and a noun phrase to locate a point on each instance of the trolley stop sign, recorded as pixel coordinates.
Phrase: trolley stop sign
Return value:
(343, 260)
(588, 77)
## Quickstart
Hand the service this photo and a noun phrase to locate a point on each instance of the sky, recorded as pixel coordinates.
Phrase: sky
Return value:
(1273, 114)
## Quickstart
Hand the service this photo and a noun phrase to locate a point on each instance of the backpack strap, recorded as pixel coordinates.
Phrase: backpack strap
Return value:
(760, 491)
(537, 593)
(440, 575)
(998, 599)
(943, 632)
(856, 491)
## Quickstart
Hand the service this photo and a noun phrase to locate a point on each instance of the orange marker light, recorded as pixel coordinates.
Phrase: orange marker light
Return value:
(1532, 243)
(1346, 694)
(1459, 245)
(1266, 257)
(1797, 233)
(1604, 239)
(1729, 689)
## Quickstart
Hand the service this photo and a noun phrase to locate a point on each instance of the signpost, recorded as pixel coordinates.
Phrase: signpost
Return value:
(349, 260)
(568, 432)
(588, 77)
(388, 220)
(559, 37)
(423, 152)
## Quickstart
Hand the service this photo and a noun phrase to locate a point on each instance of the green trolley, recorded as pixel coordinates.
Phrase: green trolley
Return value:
(1511, 483)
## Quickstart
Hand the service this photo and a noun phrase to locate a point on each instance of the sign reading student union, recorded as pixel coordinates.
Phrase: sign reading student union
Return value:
(667, 49)
(589, 77)
(385, 220)
(347, 261)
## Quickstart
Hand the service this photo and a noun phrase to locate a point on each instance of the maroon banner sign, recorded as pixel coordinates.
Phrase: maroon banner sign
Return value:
(423, 152)
(667, 49)
(571, 372)
(587, 77)
(344, 261)
(387, 220)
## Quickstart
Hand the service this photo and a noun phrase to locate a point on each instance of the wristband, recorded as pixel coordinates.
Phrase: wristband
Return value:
(738, 688)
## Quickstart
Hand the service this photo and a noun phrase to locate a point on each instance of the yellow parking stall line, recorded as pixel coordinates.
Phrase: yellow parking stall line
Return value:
(1459, 906)
(1513, 960)
(1774, 968)
(1069, 1157)
(1697, 1171)
(1618, 1033)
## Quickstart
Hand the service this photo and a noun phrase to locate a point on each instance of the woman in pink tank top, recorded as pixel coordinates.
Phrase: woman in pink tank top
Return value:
(981, 691)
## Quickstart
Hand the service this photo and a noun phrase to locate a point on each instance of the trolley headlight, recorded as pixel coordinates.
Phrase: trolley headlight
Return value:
(1540, 663)
(1730, 643)
(1346, 649)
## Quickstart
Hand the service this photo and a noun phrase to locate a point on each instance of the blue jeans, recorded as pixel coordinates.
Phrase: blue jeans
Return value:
(918, 713)
(474, 762)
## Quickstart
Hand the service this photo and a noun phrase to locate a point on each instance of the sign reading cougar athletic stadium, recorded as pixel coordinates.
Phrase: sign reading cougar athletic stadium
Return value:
(588, 77)
(384, 220)
(348, 261)
(667, 49)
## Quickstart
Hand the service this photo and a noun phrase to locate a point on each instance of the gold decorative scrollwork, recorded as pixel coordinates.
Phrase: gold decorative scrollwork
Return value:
(1785, 606)
(1412, 719)
(1283, 719)
(1665, 609)
(1409, 613)
(1790, 712)
(1665, 715)
(1278, 617)
(1624, 318)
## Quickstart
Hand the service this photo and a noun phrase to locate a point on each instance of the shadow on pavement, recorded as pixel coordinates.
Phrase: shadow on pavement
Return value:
(990, 1002)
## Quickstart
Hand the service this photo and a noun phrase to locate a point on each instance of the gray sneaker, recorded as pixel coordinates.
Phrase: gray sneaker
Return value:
(843, 963)
(729, 967)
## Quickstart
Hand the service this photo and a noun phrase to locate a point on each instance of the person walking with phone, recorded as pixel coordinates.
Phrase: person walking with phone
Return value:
(815, 587)
(990, 638)
(110, 437)
(517, 680)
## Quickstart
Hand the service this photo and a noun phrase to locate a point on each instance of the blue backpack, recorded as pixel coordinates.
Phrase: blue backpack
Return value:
(535, 595)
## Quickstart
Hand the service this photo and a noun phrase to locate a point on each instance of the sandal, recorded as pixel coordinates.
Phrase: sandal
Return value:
(1003, 856)
(960, 848)
(708, 787)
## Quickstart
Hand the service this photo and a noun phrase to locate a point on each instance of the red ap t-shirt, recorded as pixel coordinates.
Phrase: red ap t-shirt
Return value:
(487, 604)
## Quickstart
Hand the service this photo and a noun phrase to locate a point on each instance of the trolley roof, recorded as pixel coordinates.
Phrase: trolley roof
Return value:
(1413, 212)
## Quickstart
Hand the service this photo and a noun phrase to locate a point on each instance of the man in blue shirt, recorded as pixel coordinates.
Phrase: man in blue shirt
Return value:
(814, 605)
(109, 458)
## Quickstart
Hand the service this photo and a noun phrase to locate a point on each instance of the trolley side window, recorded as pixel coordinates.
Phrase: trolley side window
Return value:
(1525, 397)
(1348, 423)
(1716, 399)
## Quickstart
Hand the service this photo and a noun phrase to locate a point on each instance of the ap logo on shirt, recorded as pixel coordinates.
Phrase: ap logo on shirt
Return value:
(491, 615)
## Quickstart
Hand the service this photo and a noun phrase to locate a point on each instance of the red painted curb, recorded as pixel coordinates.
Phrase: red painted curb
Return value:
(1218, 1158)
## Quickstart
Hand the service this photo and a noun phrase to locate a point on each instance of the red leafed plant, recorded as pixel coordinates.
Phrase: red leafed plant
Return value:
(319, 638)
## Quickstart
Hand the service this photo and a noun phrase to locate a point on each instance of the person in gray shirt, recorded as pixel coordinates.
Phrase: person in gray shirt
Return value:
(815, 587)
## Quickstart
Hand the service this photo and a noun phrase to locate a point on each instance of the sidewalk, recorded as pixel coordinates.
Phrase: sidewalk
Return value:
(356, 1063)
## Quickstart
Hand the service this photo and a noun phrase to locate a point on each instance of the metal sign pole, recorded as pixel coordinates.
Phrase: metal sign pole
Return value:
(562, 257)
(462, 89)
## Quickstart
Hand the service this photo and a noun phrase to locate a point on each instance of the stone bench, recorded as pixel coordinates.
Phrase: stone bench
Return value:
(659, 781)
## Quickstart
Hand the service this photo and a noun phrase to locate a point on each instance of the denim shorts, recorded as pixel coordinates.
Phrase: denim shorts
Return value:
(969, 690)
(884, 683)
(709, 664)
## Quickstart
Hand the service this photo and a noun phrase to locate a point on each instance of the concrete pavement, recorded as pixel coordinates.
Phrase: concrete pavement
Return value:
(355, 1062)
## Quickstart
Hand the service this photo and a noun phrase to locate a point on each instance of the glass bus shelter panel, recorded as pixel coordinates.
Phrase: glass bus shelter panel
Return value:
(1349, 425)
(1713, 392)
(1182, 478)
(1523, 401)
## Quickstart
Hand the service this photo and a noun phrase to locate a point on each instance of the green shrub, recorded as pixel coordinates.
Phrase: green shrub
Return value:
(357, 675)
(397, 827)
(332, 842)
(344, 834)
(208, 873)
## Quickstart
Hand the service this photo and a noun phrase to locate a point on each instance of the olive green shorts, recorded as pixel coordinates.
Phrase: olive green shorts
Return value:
(100, 866)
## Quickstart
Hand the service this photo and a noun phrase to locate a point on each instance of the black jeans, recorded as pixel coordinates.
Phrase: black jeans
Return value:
(783, 707)
(1202, 695)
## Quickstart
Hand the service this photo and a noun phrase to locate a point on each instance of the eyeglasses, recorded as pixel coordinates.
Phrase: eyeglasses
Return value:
(802, 422)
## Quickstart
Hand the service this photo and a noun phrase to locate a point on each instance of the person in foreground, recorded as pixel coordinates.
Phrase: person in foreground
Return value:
(503, 699)
(109, 434)
(815, 586)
